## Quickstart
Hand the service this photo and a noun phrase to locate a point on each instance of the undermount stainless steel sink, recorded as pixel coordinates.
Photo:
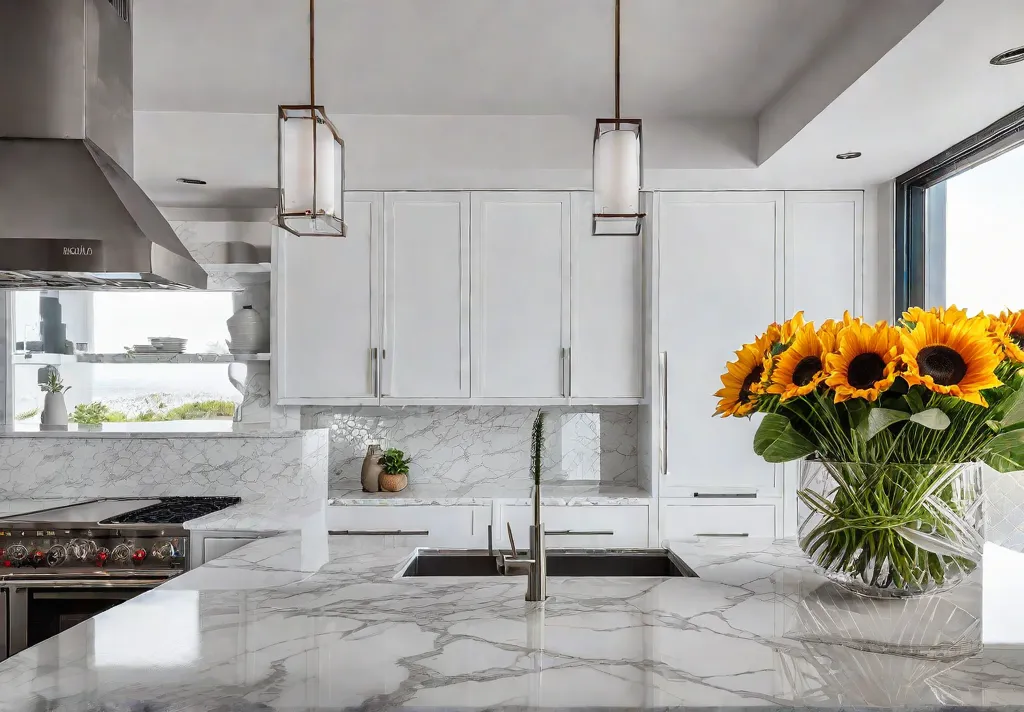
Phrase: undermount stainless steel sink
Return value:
(658, 563)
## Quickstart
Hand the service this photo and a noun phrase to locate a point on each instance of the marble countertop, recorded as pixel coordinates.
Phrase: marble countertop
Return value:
(571, 494)
(170, 429)
(251, 631)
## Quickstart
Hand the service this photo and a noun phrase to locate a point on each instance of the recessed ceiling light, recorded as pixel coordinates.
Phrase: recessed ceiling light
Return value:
(848, 155)
(1010, 56)
(192, 181)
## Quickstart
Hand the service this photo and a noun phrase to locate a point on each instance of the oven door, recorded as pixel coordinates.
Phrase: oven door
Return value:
(38, 610)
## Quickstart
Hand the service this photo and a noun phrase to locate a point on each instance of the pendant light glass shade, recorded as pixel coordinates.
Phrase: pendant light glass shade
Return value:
(311, 184)
(618, 168)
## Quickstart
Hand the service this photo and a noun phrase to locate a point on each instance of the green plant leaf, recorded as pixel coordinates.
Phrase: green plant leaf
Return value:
(1014, 409)
(777, 440)
(878, 420)
(932, 418)
(1005, 452)
(914, 400)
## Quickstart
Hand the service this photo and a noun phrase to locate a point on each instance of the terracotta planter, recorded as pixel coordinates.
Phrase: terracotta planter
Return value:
(393, 483)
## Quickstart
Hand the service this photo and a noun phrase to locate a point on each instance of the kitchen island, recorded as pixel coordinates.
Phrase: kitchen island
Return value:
(251, 631)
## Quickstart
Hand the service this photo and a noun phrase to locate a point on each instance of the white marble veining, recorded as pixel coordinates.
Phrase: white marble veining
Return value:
(250, 631)
(178, 429)
(281, 469)
(486, 446)
(565, 494)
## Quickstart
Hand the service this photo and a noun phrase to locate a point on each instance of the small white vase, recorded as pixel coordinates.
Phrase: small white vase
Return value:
(55, 411)
(248, 331)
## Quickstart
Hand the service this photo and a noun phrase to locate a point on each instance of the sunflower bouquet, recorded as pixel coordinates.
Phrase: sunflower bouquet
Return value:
(892, 423)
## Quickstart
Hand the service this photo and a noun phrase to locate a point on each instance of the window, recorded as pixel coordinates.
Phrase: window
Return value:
(101, 326)
(960, 224)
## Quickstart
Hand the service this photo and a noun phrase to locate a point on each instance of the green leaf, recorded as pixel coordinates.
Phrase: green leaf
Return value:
(777, 440)
(914, 400)
(1005, 452)
(932, 418)
(878, 420)
(1014, 409)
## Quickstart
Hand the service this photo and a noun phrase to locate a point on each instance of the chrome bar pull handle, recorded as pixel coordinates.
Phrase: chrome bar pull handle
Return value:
(664, 411)
(564, 379)
(374, 372)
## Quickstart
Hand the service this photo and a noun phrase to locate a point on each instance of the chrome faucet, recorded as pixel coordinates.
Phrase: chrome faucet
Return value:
(536, 566)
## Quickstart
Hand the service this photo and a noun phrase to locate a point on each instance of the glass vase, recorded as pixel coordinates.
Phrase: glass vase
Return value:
(891, 530)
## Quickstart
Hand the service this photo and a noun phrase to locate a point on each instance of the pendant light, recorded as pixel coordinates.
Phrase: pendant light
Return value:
(310, 164)
(618, 165)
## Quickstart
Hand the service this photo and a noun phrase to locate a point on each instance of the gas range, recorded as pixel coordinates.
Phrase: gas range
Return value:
(103, 538)
(62, 565)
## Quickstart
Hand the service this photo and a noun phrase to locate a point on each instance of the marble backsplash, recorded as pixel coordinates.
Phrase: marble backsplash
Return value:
(469, 446)
(282, 469)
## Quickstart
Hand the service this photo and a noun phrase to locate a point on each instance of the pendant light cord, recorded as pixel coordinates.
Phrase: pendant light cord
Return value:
(618, 42)
(312, 90)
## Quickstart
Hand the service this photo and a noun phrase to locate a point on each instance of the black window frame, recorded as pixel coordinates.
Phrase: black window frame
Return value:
(920, 213)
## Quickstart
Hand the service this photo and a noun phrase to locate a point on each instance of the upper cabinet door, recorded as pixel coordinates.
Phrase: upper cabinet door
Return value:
(326, 315)
(607, 328)
(520, 295)
(720, 262)
(824, 253)
(426, 296)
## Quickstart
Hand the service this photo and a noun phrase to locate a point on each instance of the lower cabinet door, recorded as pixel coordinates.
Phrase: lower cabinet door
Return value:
(457, 526)
(571, 527)
(214, 547)
(682, 519)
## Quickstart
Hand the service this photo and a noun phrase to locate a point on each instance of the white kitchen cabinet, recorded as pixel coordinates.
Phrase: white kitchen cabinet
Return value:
(573, 527)
(207, 546)
(326, 324)
(606, 350)
(520, 296)
(461, 526)
(720, 262)
(425, 345)
(682, 518)
(824, 253)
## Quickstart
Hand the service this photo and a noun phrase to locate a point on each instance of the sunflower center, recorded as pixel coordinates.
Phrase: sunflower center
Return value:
(1017, 338)
(943, 364)
(748, 383)
(865, 370)
(806, 370)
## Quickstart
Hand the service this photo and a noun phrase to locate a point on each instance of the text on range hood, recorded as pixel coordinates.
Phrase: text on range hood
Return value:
(71, 217)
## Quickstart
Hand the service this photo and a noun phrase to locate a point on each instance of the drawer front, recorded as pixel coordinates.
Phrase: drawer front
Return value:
(215, 547)
(428, 525)
(570, 527)
(680, 520)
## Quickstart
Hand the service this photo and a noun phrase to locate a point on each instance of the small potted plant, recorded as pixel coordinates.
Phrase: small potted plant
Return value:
(55, 410)
(394, 466)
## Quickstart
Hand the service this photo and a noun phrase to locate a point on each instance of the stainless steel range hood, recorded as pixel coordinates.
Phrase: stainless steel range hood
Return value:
(71, 217)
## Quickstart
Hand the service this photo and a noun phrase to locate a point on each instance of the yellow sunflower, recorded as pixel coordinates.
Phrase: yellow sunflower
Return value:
(800, 368)
(788, 329)
(743, 378)
(953, 358)
(741, 383)
(948, 314)
(1008, 330)
(866, 363)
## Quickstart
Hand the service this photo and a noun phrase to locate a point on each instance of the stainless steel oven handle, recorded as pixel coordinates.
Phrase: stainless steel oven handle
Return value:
(90, 584)
(122, 595)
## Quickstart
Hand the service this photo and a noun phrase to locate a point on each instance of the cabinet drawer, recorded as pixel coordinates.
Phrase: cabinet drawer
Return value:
(428, 525)
(570, 527)
(687, 520)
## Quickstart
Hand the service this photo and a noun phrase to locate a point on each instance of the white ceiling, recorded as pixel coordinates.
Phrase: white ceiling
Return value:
(681, 58)
(502, 94)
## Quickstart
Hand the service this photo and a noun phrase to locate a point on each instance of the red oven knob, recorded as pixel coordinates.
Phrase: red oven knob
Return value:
(38, 558)
(101, 557)
(138, 556)
(7, 563)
